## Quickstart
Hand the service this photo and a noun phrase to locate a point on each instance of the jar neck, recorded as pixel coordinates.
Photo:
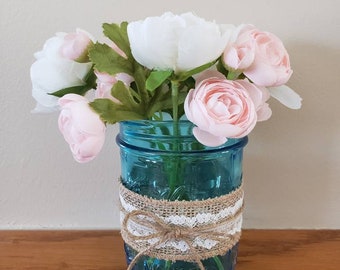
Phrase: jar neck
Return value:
(167, 136)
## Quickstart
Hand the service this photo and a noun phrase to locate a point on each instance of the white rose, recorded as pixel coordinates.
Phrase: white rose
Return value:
(177, 42)
(51, 72)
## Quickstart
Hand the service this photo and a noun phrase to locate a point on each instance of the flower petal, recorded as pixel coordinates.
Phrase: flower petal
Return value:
(200, 43)
(207, 138)
(154, 40)
(286, 96)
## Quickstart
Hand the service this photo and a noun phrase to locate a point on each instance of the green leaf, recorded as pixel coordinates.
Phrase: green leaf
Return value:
(112, 112)
(124, 94)
(107, 60)
(118, 34)
(185, 75)
(156, 78)
(91, 78)
(79, 90)
(140, 74)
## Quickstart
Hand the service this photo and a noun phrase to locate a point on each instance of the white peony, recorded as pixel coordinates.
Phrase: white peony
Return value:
(51, 72)
(177, 42)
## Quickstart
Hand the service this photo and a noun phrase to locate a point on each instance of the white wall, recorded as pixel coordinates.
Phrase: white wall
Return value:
(292, 162)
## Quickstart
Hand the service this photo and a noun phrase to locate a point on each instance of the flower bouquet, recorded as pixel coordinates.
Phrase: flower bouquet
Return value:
(186, 93)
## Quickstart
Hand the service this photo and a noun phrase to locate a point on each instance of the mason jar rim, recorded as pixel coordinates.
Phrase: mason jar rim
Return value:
(141, 130)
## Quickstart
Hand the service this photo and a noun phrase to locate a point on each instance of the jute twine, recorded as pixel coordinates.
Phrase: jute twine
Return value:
(156, 227)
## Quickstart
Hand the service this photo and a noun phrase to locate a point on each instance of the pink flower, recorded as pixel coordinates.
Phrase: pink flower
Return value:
(239, 55)
(260, 55)
(81, 127)
(106, 81)
(259, 96)
(221, 109)
(104, 85)
(75, 46)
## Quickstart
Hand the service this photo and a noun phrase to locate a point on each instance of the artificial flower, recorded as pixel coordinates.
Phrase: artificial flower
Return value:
(75, 46)
(221, 109)
(105, 82)
(177, 42)
(259, 95)
(81, 127)
(260, 55)
(52, 72)
(222, 75)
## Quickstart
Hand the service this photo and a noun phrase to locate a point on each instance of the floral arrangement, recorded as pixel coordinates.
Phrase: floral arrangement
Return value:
(220, 77)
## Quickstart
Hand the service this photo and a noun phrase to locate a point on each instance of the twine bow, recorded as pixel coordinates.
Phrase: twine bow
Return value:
(165, 232)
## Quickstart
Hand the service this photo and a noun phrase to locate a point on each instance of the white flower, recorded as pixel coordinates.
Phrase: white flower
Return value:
(51, 72)
(177, 42)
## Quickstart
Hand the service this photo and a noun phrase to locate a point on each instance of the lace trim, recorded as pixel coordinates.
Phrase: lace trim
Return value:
(212, 226)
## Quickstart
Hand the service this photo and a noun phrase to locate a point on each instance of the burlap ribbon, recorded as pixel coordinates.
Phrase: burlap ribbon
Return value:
(158, 234)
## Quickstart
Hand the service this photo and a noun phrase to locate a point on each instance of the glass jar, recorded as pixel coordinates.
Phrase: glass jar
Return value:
(164, 161)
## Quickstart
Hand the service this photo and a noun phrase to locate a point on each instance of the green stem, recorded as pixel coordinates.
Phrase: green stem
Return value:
(218, 263)
(174, 177)
(168, 265)
(174, 95)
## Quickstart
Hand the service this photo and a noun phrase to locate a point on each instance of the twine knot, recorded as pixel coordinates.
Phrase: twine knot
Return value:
(190, 231)
(162, 231)
(176, 233)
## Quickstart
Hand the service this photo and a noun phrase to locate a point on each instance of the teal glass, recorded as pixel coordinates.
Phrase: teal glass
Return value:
(163, 160)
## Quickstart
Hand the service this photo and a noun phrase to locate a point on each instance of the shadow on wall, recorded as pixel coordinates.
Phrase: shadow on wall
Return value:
(292, 162)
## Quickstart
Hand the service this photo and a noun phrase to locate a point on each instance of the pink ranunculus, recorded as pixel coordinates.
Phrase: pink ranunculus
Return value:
(75, 46)
(239, 55)
(104, 85)
(220, 109)
(106, 81)
(81, 127)
(259, 96)
(270, 65)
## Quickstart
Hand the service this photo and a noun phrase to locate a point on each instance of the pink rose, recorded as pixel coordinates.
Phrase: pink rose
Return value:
(260, 55)
(220, 109)
(75, 46)
(81, 127)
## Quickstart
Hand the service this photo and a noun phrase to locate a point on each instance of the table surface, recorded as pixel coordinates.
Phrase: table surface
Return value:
(102, 250)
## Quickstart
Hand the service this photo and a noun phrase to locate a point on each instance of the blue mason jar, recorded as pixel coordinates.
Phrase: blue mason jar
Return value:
(164, 161)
